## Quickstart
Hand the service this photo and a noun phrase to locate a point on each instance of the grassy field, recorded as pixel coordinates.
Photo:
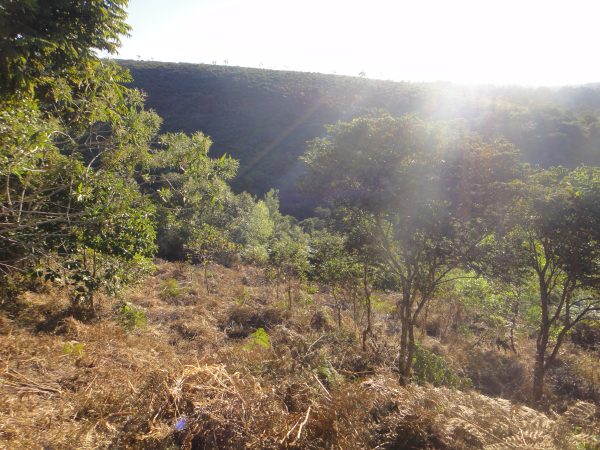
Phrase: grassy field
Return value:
(170, 365)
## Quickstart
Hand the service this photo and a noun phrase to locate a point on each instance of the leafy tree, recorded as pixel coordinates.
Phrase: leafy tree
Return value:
(41, 41)
(246, 110)
(73, 142)
(429, 199)
(555, 234)
(288, 261)
(338, 269)
(189, 188)
(498, 306)
(251, 227)
(205, 243)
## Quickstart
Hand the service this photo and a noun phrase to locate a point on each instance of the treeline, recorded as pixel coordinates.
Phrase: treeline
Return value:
(263, 118)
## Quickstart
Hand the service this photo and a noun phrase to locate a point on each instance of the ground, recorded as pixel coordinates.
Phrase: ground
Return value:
(169, 365)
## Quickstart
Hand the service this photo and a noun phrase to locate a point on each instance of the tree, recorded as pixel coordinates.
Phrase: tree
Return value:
(338, 269)
(554, 232)
(251, 227)
(73, 143)
(190, 189)
(288, 260)
(204, 244)
(428, 197)
(42, 41)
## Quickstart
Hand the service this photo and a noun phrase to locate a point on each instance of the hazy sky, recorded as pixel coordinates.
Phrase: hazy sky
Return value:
(533, 42)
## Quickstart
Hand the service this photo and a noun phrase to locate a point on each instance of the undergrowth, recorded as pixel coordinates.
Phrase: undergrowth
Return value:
(211, 372)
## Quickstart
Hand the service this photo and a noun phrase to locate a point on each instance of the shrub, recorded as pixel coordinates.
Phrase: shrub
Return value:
(260, 338)
(172, 290)
(242, 320)
(74, 348)
(433, 369)
(131, 317)
(382, 306)
(255, 254)
(327, 373)
(586, 335)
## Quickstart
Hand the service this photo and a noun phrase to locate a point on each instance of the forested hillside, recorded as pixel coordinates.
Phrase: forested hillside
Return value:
(263, 118)
(445, 295)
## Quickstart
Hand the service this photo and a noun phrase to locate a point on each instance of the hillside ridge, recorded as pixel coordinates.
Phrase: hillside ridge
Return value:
(264, 117)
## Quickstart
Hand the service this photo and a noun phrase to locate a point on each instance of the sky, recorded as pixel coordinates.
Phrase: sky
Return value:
(525, 42)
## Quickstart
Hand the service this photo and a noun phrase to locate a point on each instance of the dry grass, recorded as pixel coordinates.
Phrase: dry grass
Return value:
(195, 378)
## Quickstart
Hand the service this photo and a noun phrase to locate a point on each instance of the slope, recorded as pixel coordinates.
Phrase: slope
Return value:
(264, 117)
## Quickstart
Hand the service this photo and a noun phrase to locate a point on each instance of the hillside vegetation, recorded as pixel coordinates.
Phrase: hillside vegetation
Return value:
(175, 367)
(263, 118)
(445, 293)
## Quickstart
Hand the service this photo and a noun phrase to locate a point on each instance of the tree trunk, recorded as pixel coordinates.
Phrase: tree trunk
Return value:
(513, 324)
(367, 330)
(411, 349)
(206, 278)
(406, 334)
(337, 305)
(424, 321)
(539, 372)
(289, 289)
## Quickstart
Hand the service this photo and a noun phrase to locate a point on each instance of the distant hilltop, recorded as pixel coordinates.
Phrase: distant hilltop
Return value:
(264, 117)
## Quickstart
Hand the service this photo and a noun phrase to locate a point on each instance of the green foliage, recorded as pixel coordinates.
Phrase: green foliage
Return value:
(74, 143)
(260, 338)
(551, 234)
(326, 372)
(433, 369)
(205, 243)
(74, 348)
(192, 195)
(130, 316)
(171, 289)
(485, 300)
(382, 306)
(288, 258)
(422, 198)
(86, 185)
(257, 254)
(42, 38)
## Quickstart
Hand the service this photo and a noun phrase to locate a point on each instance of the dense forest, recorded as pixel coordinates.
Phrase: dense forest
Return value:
(438, 285)
(263, 118)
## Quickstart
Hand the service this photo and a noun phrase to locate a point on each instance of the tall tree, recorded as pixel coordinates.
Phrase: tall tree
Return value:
(73, 143)
(430, 199)
(554, 232)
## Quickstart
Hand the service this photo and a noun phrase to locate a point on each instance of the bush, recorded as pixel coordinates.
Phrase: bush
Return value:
(74, 348)
(172, 290)
(131, 317)
(242, 320)
(255, 254)
(433, 369)
(586, 334)
(260, 338)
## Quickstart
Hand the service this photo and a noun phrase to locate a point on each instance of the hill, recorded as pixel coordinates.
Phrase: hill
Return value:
(263, 118)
